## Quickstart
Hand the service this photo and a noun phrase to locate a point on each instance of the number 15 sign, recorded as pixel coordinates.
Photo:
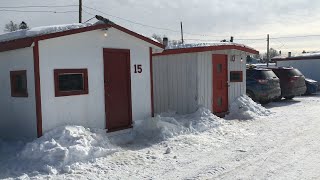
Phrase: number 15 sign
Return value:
(138, 68)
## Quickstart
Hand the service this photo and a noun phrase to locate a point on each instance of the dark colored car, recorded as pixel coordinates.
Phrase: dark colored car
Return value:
(292, 82)
(312, 86)
(262, 85)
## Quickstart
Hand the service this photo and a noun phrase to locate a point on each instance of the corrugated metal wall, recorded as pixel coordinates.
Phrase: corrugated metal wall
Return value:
(310, 68)
(175, 83)
(182, 82)
(236, 89)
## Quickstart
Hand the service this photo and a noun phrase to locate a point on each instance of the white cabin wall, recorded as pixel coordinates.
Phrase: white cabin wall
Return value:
(18, 114)
(309, 68)
(175, 83)
(236, 89)
(85, 50)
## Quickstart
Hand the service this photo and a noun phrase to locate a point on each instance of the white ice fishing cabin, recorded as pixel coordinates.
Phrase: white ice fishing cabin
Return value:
(307, 63)
(192, 75)
(93, 75)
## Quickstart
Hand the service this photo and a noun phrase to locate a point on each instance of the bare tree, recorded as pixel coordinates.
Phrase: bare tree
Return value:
(158, 38)
(10, 27)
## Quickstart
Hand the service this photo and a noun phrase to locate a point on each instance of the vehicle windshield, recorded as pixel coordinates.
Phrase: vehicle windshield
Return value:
(294, 72)
(266, 74)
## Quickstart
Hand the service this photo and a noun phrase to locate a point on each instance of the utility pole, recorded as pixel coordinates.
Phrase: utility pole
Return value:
(181, 33)
(268, 50)
(80, 11)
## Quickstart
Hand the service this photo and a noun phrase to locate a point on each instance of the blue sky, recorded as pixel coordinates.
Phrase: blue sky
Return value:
(203, 19)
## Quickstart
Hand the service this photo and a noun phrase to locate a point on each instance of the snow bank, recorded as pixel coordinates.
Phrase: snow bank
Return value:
(244, 108)
(37, 31)
(65, 146)
(168, 125)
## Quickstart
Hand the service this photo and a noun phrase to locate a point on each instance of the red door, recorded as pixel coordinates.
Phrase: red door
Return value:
(117, 89)
(220, 83)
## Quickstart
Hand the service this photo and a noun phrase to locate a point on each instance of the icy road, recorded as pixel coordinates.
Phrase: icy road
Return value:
(283, 145)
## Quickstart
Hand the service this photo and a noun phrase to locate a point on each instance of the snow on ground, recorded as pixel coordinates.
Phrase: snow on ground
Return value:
(244, 108)
(283, 145)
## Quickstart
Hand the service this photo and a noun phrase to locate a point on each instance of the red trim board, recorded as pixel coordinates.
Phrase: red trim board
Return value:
(37, 87)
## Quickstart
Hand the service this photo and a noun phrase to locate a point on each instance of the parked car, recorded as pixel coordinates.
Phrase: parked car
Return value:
(292, 82)
(262, 85)
(312, 86)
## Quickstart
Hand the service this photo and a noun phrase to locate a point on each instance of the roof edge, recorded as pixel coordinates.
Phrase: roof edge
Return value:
(27, 42)
(207, 48)
(297, 58)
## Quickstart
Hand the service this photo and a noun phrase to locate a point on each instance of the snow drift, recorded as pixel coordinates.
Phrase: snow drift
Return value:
(65, 146)
(168, 125)
(244, 108)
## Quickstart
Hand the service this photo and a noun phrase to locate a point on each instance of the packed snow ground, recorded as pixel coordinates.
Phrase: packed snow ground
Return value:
(278, 143)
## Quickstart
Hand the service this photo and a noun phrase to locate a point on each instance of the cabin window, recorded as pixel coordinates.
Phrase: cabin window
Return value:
(70, 82)
(18, 80)
(236, 76)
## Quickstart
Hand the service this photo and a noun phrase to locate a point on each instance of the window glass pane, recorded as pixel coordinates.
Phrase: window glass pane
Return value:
(20, 83)
(220, 101)
(235, 76)
(71, 82)
(219, 68)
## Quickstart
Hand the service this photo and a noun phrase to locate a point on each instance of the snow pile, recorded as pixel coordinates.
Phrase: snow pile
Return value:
(37, 31)
(192, 45)
(168, 125)
(67, 145)
(244, 108)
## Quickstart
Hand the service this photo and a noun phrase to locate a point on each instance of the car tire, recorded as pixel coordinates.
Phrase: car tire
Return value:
(289, 97)
(277, 99)
(265, 102)
(251, 95)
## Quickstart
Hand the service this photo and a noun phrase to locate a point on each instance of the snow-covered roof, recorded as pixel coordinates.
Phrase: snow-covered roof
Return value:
(194, 45)
(202, 47)
(38, 31)
(24, 38)
(309, 55)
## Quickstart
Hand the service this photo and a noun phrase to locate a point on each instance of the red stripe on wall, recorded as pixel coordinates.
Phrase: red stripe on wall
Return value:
(37, 87)
(151, 81)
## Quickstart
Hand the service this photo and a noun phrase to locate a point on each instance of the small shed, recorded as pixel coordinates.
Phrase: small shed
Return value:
(93, 75)
(307, 63)
(192, 75)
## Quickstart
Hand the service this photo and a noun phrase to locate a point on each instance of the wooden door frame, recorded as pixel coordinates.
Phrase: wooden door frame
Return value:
(127, 51)
(227, 72)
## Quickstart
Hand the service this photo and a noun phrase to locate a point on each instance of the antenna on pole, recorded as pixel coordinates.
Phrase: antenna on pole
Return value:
(181, 33)
(80, 11)
(268, 50)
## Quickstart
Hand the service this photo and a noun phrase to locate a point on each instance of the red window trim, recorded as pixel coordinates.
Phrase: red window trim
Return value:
(13, 87)
(241, 76)
(58, 72)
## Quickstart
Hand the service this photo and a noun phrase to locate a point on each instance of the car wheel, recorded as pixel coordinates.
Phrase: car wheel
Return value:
(251, 95)
(265, 102)
(277, 99)
(289, 97)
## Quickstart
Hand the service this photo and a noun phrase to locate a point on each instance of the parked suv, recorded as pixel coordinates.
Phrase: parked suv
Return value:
(292, 82)
(262, 85)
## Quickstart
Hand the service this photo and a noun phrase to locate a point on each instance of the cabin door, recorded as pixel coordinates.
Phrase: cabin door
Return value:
(220, 83)
(117, 86)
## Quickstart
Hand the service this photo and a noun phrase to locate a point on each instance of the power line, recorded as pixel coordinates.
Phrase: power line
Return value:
(145, 25)
(19, 7)
(9, 10)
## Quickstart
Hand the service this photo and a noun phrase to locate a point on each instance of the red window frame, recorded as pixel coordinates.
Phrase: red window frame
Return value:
(58, 72)
(14, 92)
(237, 72)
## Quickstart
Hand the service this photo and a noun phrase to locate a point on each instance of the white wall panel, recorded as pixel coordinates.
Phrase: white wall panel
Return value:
(18, 114)
(175, 83)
